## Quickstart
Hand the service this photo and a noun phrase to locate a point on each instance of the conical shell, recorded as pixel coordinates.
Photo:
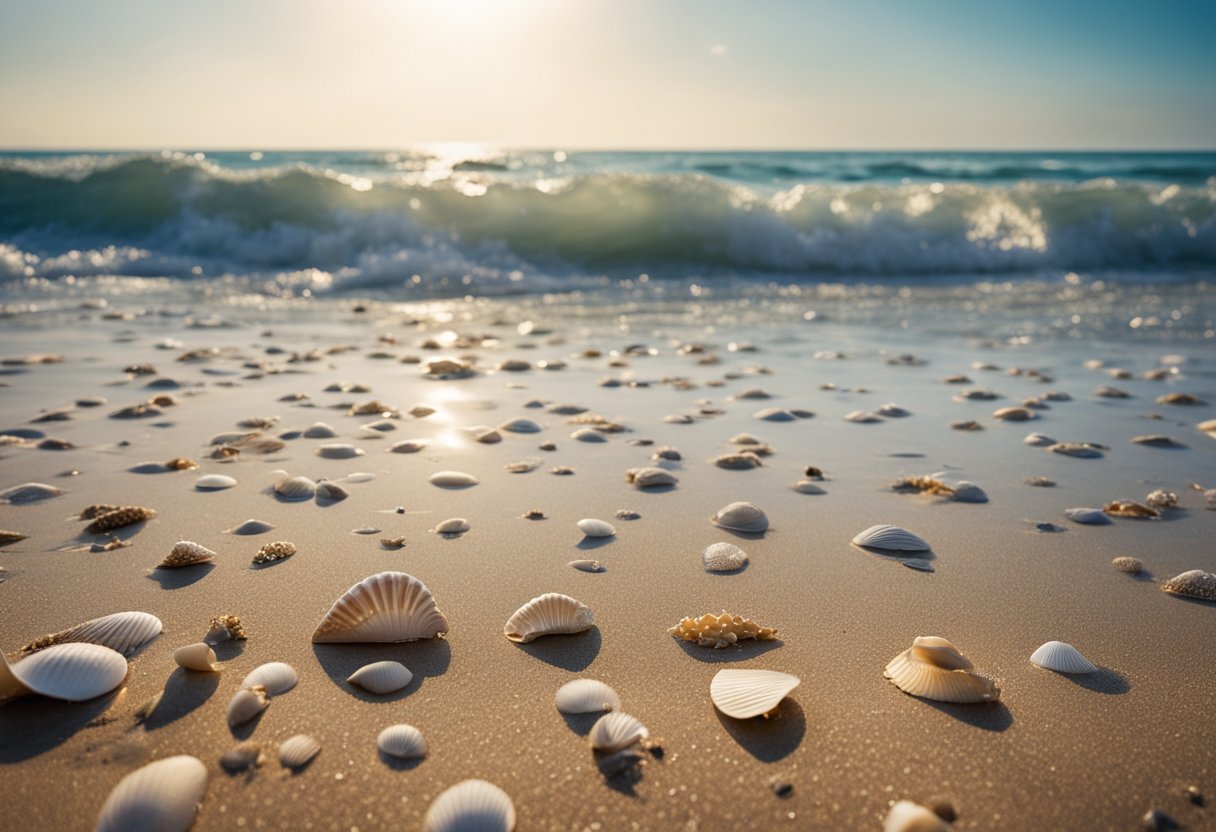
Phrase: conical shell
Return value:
(743, 694)
(650, 477)
(1194, 584)
(402, 741)
(586, 696)
(471, 806)
(30, 492)
(187, 553)
(1062, 658)
(616, 730)
(382, 677)
(906, 816)
(339, 450)
(596, 528)
(934, 669)
(162, 796)
(198, 657)
(520, 426)
(73, 672)
(387, 607)
(298, 751)
(548, 614)
(295, 489)
(275, 677)
(125, 632)
(214, 482)
(741, 517)
(453, 479)
(251, 527)
(891, 538)
(723, 557)
(245, 705)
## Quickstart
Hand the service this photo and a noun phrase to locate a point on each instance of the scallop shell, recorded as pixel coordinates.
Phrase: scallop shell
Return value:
(774, 414)
(649, 477)
(453, 479)
(402, 741)
(616, 730)
(125, 632)
(186, 553)
(1130, 565)
(199, 657)
(1088, 516)
(741, 517)
(295, 489)
(274, 677)
(743, 694)
(586, 696)
(934, 669)
(723, 557)
(1062, 658)
(339, 450)
(596, 528)
(214, 482)
(548, 614)
(245, 705)
(891, 538)
(298, 751)
(471, 806)
(407, 446)
(252, 527)
(163, 795)
(319, 430)
(587, 565)
(453, 526)
(588, 435)
(906, 816)
(1194, 584)
(382, 677)
(73, 672)
(386, 607)
(520, 426)
(331, 492)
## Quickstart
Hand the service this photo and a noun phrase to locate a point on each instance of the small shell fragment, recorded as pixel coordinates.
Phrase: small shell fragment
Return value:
(718, 631)
(906, 816)
(453, 479)
(587, 565)
(214, 482)
(225, 628)
(274, 551)
(339, 450)
(119, 518)
(1130, 508)
(186, 553)
(1132, 566)
(596, 528)
(251, 526)
(452, 527)
(245, 705)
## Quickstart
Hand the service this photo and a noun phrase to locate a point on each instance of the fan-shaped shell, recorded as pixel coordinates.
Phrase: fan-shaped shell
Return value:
(408, 446)
(298, 751)
(891, 538)
(187, 553)
(453, 479)
(125, 632)
(934, 669)
(588, 435)
(339, 450)
(402, 741)
(382, 677)
(906, 816)
(251, 527)
(548, 614)
(741, 517)
(743, 694)
(471, 806)
(214, 482)
(162, 796)
(453, 525)
(596, 528)
(648, 477)
(30, 492)
(1088, 516)
(723, 557)
(245, 705)
(775, 414)
(319, 430)
(295, 488)
(198, 657)
(520, 425)
(73, 672)
(586, 696)
(1062, 658)
(275, 677)
(1194, 584)
(616, 730)
(386, 607)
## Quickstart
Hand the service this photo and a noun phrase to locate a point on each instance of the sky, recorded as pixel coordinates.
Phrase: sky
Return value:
(608, 74)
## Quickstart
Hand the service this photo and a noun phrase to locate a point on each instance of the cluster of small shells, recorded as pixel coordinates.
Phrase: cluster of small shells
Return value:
(720, 631)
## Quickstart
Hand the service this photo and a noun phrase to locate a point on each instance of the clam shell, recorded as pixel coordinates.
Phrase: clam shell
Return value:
(408, 446)
(275, 677)
(214, 482)
(251, 527)
(386, 607)
(1080, 450)
(402, 741)
(1194, 584)
(125, 632)
(30, 492)
(891, 538)
(906, 816)
(453, 479)
(1062, 658)
(1088, 516)
(586, 696)
(453, 525)
(741, 517)
(186, 553)
(596, 528)
(737, 462)
(743, 694)
(382, 677)
(650, 477)
(295, 489)
(616, 730)
(588, 435)
(548, 614)
(723, 557)
(339, 450)
(199, 657)
(73, 672)
(471, 806)
(331, 492)
(934, 669)
(587, 565)
(245, 705)
(162, 796)
(298, 751)
(319, 430)
(520, 426)
(774, 414)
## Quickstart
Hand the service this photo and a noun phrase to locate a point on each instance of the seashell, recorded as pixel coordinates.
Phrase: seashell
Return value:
(298, 751)
(1087, 516)
(616, 730)
(1194, 584)
(471, 806)
(678, 419)
(524, 466)
(186, 553)
(741, 517)
(807, 487)
(294, 489)
(670, 454)
(976, 394)
(1014, 414)
(1180, 398)
(274, 551)
(774, 414)
(891, 538)
(124, 632)
(319, 430)
(1128, 508)
(225, 628)
(723, 557)
(1157, 441)
(381, 677)
(73, 672)
(199, 657)
(863, 417)
(421, 411)
(453, 526)
(393, 542)
(587, 565)
(242, 757)
(966, 424)
(372, 408)
(586, 696)
(718, 631)
(1038, 440)
(596, 528)
(273, 677)
(520, 426)
(386, 607)
(331, 492)
(649, 477)
(969, 492)
(1062, 658)
(120, 517)
(919, 564)
(1107, 392)
(380, 426)
(453, 479)
(743, 694)
(181, 463)
(933, 668)
(588, 435)
(402, 741)
(231, 437)
(1132, 565)
(136, 411)
(407, 446)
(737, 462)
(1080, 450)
(163, 796)
(214, 482)
(1161, 500)
(246, 704)
(1208, 427)
(906, 816)
(548, 614)
(892, 411)
(339, 450)
(7, 537)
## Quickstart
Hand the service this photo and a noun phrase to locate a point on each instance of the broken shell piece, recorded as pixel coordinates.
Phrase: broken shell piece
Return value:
(331, 492)
(386, 607)
(73, 672)
(30, 492)
(471, 806)
(1062, 658)
(181, 463)
(7, 537)
(1107, 392)
(225, 628)
(245, 705)
(596, 528)
(548, 614)
(933, 668)
(1087, 516)
(650, 477)
(906, 816)
(118, 518)
(616, 730)
(741, 517)
(453, 479)
(1133, 566)
(1129, 508)
(723, 557)
(587, 565)
(1180, 398)
(198, 657)
(404, 742)
(743, 694)
(1194, 584)
(520, 426)
(298, 751)
(969, 492)
(892, 411)
(586, 696)
(891, 538)
(274, 551)
(124, 632)
(273, 677)
(186, 553)
(718, 631)
(774, 414)
(319, 430)
(1038, 440)
(214, 482)
(862, 417)
(1157, 441)
(382, 677)
(1161, 499)
(393, 542)
(163, 795)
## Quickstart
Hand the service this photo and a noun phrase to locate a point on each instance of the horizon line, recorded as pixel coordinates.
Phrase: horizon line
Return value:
(588, 149)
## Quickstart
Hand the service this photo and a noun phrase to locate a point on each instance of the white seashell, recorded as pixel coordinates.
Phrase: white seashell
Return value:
(741, 517)
(198, 657)
(891, 538)
(125, 632)
(723, 557)
(402, 741)
(319, 430)
(162, 796)
(968, 492)
(245, 705)
(73, 672)
(1194, 583)
(808, 487)
(934, 669)
(587, 565)
(586, 696)
(616, 730)
(743, 694)
(382, 677)
(298, 751)
(588, 435)
(1088, 516)
(408, 446)
(1062, 658)
(548, 614)
(30, 492)
(906, 816)
(214, 482)
(774, 414)
(520, 426)
(295, 488)
(275, 677)
(650, 477)
(1038, 440)
(596, 528)
(331, 492)
(387, 607)
(453, 479)
(454, 525)
(862, 417)
(471, 806)
(339, 450)
(251, 527)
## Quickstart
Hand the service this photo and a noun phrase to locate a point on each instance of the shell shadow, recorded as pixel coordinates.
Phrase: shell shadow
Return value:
(150, 468)
(184, 692)
(398, 764)
(228, 649)
(1106, 680)
(424, 658)
(178, 578)
(267, 564)
(581, 724)
(987, 716)
(122, 532)
(621, 770)
(744, 535)
(894, 554)
(728, 572)
(589, 543)
(656, 489)
(245, 730)
(33, 725)
(747, 649)
(572, 652)
(768, 740)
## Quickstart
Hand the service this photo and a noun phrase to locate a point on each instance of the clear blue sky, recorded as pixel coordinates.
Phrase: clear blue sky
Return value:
(608, 73)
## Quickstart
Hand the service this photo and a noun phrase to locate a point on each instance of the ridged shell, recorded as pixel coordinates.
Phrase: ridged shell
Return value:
(298, 751)
(741, 517)
(723, 557)
(251, 527)
(774, 414)
(186, 553)
(339, 450)
(1194, 584)
(245, 705)
(30, 492)
(214, 482)
(408, 446)
(295, 488)
(586, 696)
(453, 479)
(743, 694)
(1062, 658)
(616, 730)
(906, 816)
(548, 614)
(650, 477)
(161, 796)
(73, 672)
(587, 565)
(402, 741)
(387, 607)
(891, 538)
(933, 669)
(520, 426)
(117, 518)
(471, 806)
(382, 677)
(1088, 516)
(197, 657)
(319, 430)
(275, 677)
(125, 632)
(596, 528)
(453, 525)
